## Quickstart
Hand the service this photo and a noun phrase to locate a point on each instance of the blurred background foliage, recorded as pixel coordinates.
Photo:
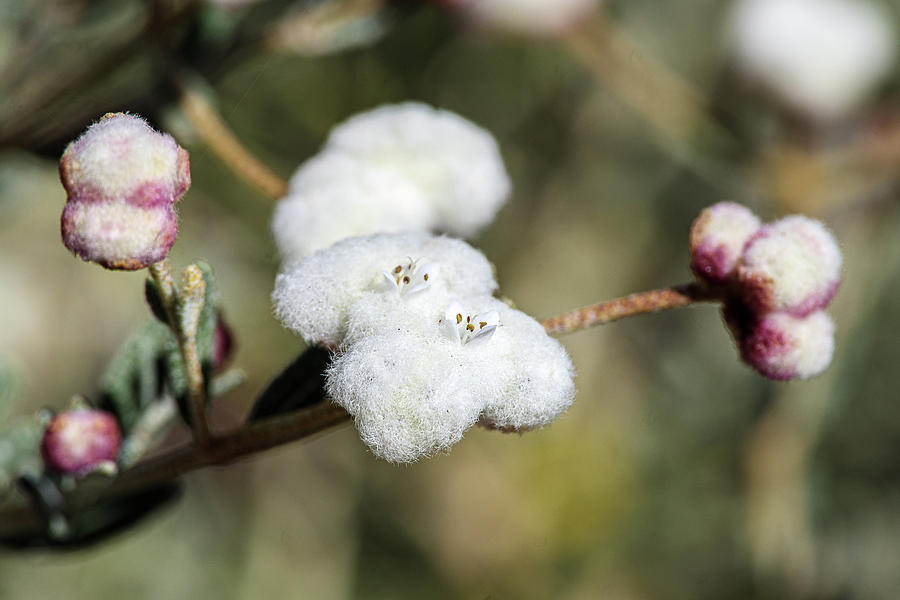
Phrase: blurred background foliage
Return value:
(679, 473)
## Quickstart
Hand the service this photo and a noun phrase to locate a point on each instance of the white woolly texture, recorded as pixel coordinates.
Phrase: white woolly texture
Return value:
(121, 151)
(313, 296)
(414, 389)
(530, 17)
(793, 264)
(335, 196)
(408, 395)
(819, 56)
(455, 164)
(782, 346)
(718, 237)
(109, 231)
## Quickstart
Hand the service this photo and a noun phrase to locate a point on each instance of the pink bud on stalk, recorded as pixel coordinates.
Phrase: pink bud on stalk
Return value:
(791, 265)
(122, 180)
(78, 440)
(775, 279)
(781, 346)
(718, 237)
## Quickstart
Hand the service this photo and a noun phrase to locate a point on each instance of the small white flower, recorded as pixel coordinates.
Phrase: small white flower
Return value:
(314, 296)
(818, 56)
(412, 276)
(459, 326)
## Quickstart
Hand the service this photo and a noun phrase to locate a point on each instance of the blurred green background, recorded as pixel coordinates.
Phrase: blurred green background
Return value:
(678, 473)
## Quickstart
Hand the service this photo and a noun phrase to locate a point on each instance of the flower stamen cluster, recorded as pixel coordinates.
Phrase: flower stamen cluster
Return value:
(459, 326)
(413, 276)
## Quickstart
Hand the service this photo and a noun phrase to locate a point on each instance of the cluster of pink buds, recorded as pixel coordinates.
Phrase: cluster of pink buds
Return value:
(81, 440)
(777, 279)
(122, 179)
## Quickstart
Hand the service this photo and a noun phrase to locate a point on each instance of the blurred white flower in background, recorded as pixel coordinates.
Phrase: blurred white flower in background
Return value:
(403, 167)
(820, 57)
(543, 18)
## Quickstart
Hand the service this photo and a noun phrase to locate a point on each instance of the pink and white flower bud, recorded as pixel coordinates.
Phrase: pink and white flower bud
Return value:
(791, 265)
(718, 236)
(76, 441)
(122, 180)
(781, 346)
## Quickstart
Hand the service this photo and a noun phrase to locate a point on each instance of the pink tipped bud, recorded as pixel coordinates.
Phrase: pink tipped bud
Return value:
(223, 344)
(792, 265)
(781, 346)
(718, 236)
(122, 179)
(76, 441)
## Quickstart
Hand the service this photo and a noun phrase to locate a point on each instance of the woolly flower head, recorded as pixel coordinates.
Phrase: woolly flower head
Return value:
(334, 196)
(313, 296)
(398, 167)
(530, 17)
(122, 179)
(821, 57)
(415, 391)
(423, 351)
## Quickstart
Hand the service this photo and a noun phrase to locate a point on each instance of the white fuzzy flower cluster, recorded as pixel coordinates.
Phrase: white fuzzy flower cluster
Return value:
(403, 167)
(425, 351)
(821, 57)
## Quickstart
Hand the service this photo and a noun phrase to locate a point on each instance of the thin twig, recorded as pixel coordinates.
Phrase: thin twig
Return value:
(659, 96)
(628, 306)
(226, 145)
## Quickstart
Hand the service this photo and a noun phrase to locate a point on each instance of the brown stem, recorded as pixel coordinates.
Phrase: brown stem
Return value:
(282, 429)
(225, 449)
(628, 306)
(246, 440)
(221, 140)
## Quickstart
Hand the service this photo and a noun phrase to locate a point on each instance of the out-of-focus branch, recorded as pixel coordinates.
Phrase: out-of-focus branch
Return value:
(659, 96)
(226, 145)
